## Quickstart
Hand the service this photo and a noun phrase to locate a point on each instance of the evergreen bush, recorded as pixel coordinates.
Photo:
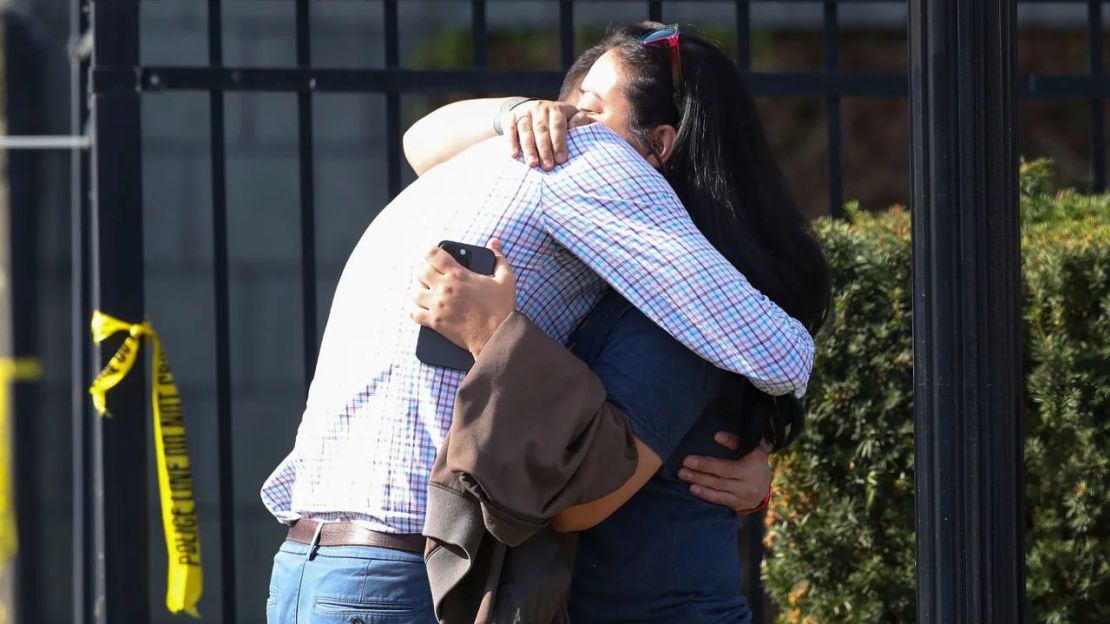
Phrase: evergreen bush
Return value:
(840, 530)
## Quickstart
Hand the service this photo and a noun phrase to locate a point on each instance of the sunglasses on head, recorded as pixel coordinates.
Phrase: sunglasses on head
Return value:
(668, 36)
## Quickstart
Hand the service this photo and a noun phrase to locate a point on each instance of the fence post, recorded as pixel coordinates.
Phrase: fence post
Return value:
(23, 55)
(966, 312)
(84, 554)
(119, 443)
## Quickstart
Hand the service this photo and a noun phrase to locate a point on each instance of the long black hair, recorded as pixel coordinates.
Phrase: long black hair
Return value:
(724, 172)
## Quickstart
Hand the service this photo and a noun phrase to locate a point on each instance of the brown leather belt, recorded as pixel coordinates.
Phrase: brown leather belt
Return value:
(351, 534)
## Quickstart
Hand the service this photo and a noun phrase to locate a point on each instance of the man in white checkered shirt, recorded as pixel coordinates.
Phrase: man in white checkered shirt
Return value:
(375, 415)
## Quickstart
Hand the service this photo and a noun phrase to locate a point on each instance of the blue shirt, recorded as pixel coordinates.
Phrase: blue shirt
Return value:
(665, 556)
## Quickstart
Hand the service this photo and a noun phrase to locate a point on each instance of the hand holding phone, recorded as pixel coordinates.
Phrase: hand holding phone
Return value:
(431, 347)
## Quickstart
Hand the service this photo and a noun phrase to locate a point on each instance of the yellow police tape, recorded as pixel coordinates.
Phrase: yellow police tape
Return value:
(175, 481)
(21, 369)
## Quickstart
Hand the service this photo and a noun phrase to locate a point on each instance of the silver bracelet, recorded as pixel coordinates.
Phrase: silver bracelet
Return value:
(506, 106)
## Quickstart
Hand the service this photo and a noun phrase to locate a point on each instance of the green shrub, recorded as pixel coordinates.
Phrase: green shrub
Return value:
(840, 529)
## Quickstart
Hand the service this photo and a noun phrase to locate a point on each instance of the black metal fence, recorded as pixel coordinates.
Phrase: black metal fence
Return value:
(24, 174)
(108, 270)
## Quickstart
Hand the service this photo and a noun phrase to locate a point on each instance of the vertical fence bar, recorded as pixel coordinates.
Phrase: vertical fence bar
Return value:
(750, 543)
(308, 210)
(655, 11)
(751, 533)
(966, 312)
(750, 540)
(478, 31)
(24, 100)
(224, 458)
(744, 34)
(1098, 107)
(566, 33)
(80, 310)
(119, 443)
(832, 112)
(392, 100)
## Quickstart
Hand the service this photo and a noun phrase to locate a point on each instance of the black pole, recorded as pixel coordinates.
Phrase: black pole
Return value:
(1098, 107)
(566, 33)
(224, 457)
(307, 178)
(833, 123)
(391, 22)
(751, 560)
(24, 107)
(478, 28)
(84, 554)
(120, 442)
(966, 312)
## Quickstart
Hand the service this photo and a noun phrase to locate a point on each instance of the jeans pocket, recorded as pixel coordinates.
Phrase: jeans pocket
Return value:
(273, 594)
(273, 613)
(363, 611)
(280, 602)
(277, 613)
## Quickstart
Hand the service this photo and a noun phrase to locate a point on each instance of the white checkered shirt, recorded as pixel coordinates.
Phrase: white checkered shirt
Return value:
(375, 415)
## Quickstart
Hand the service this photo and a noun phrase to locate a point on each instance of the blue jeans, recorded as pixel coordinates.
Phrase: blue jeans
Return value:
(348, 585)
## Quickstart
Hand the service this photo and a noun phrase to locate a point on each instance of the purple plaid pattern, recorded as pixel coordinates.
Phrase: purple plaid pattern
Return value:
(375, 415)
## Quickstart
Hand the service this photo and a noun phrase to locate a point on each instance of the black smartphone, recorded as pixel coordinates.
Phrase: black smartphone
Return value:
(431, 347)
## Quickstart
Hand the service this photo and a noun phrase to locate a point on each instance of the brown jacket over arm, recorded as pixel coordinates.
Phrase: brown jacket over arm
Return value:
(532, 435)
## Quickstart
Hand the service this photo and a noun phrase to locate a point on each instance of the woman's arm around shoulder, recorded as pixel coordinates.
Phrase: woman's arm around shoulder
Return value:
(535, 128)
(448, 130)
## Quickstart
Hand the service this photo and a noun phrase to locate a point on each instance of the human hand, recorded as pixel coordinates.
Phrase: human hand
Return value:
(464, 306)
(740, 484)
(538, 130)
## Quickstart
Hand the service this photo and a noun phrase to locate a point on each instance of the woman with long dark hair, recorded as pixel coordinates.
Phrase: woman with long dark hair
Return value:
(653, 552)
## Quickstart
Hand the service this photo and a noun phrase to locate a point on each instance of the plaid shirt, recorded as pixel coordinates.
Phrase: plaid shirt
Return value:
(375, 415)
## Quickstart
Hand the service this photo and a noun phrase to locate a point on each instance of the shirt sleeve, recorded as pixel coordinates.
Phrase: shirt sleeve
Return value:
(662, 386)
(609, 208)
